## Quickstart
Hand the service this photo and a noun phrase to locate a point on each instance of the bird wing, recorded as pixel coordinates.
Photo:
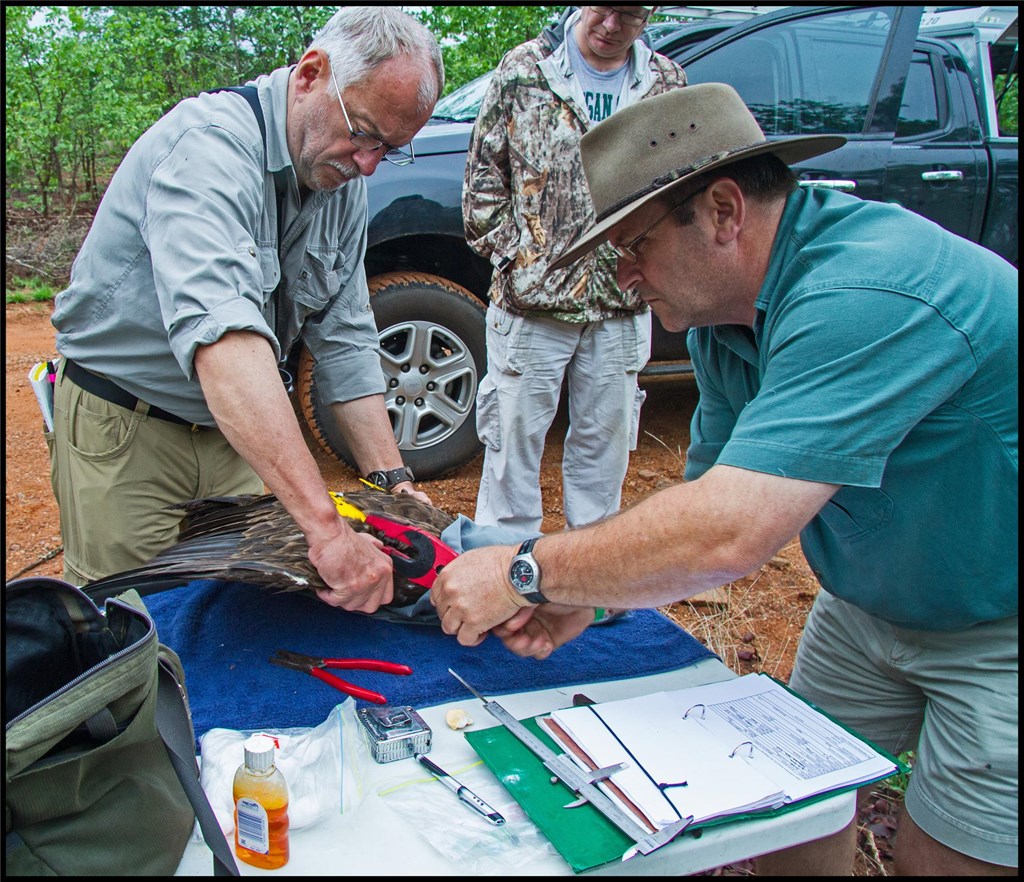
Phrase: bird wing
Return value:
(254, 539)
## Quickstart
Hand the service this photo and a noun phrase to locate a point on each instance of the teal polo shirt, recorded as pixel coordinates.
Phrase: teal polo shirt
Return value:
(883, 358)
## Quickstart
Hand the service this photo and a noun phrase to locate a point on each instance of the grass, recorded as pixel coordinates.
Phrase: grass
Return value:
(897, 784)
(31, 290)
(717, 624)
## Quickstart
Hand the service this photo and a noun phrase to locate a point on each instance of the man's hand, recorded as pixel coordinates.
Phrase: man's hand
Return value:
(358, 572)
(550, 626)
(409, 489)
(472, 594)
(356, 568)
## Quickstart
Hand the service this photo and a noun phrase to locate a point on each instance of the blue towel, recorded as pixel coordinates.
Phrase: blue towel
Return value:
(225, 632)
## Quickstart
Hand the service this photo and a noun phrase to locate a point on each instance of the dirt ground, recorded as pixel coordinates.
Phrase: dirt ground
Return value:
(754, 624)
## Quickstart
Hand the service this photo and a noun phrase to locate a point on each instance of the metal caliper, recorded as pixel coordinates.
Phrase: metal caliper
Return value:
(583, 783)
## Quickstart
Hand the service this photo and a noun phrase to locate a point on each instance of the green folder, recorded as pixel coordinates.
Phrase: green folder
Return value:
(582, 835)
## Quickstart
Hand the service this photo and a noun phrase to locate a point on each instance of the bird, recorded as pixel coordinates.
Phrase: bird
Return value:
(253, 539)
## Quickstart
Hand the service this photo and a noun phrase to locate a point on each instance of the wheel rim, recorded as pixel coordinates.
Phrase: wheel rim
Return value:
(431, 379)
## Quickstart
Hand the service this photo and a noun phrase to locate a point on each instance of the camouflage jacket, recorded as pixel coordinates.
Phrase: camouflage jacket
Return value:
(525, 197)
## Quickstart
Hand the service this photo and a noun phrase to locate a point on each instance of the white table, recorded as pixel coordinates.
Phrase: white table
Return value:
(374, 839)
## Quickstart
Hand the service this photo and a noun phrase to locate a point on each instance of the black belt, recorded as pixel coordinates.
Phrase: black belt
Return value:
(110, 391)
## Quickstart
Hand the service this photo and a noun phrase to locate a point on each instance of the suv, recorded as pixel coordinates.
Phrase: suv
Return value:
(913, 93)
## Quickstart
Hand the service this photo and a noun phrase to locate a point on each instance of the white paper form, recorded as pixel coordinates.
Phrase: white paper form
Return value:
(792, 743)
(739, 745)
(674, 768)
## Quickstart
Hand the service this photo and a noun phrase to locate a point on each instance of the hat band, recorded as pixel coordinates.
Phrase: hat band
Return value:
(666, 179)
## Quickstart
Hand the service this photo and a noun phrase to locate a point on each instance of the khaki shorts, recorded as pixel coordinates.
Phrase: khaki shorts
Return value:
(949, 695)
(115, 470)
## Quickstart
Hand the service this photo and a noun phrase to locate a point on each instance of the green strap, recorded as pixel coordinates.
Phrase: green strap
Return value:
(176, 731)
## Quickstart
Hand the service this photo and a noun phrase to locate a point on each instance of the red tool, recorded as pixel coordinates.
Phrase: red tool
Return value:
(429, 555)
(317, 667)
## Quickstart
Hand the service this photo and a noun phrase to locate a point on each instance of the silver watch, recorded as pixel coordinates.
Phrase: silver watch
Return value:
(524, 573)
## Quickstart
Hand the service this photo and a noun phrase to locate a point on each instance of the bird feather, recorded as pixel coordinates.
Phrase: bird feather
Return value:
(253, 539)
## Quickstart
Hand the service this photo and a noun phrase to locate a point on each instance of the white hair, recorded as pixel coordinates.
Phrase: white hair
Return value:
(359, 38)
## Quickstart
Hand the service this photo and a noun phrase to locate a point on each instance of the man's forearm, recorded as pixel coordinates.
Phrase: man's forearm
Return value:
(679, 542)
(673, 545)
(253, 411)
(366, 428)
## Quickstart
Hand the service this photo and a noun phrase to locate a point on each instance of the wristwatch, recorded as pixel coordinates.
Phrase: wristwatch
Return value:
(387, 479)
(524, 573)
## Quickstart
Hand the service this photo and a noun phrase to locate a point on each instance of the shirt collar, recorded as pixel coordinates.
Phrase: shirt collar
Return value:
(273, 90)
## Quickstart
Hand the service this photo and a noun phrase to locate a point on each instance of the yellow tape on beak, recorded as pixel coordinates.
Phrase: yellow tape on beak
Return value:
(346, 509)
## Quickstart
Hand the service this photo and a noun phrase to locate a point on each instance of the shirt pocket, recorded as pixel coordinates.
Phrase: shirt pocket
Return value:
(318, 278)
(854, 513)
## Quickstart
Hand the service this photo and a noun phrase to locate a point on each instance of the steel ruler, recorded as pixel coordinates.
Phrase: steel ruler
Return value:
(583, 783)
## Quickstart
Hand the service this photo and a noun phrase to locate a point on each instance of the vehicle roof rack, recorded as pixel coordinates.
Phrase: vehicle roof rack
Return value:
(739, 13)
(939, 20)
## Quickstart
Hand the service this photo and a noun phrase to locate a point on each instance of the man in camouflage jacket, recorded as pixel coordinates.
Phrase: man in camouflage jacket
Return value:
(524, 200)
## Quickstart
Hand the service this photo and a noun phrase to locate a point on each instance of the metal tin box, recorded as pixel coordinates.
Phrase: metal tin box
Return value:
(395, 732)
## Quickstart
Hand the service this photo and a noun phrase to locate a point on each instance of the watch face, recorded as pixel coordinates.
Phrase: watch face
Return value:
(522, 574)
(379, 478)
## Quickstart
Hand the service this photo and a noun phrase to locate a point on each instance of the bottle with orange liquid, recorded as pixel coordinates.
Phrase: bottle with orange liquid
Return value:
(261, 807)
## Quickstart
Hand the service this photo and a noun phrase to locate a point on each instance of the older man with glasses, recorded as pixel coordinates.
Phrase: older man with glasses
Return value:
(524, 197)
(234, 230)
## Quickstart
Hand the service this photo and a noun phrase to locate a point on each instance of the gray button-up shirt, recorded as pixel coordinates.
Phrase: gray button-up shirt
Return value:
(188, 245)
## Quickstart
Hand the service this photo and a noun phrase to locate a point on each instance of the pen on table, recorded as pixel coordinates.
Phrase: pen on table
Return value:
(462, 792)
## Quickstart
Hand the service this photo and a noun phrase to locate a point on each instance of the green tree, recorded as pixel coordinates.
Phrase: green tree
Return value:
(1006, 94)
(474, 38)
(84, 82)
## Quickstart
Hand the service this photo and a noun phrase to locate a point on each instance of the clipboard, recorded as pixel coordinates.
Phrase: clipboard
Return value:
(582, 835)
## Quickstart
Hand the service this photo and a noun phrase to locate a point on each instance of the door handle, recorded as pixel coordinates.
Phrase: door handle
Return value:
(945, 175)
(845, 186)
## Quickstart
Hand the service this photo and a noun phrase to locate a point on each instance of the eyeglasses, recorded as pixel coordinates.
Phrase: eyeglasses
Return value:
(628, 252)
(367, 142)
(627, 18)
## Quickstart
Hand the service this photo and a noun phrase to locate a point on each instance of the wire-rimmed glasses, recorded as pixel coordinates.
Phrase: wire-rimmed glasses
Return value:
(364, 141)
(628, 253)
(627, 18)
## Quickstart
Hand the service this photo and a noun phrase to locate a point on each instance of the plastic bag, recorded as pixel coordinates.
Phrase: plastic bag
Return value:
(325, 767)
(459, 833)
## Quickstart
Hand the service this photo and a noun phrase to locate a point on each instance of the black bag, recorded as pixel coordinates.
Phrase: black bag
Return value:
(100, 771)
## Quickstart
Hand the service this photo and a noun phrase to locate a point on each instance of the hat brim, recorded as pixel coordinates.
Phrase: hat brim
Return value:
(790, 150)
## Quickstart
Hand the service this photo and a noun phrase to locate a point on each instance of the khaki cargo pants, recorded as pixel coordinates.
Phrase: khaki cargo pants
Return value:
(114, 471)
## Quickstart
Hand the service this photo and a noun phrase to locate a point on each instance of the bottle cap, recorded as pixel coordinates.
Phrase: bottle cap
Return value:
(259, 753)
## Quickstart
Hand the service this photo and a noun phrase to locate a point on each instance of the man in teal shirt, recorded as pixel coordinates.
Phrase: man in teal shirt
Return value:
(857, 367)
(889, 378)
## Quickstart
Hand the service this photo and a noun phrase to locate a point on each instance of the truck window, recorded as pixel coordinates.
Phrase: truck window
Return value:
(804, 77)
(919, 111)
(1004, 69)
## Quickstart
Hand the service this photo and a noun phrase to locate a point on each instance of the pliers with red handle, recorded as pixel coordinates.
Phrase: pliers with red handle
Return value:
(427, 556)
(317, 667)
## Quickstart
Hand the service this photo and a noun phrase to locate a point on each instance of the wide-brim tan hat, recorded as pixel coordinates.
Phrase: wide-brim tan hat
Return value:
(654, 145)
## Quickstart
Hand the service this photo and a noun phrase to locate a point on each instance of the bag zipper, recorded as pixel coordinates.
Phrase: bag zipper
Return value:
(138, 646)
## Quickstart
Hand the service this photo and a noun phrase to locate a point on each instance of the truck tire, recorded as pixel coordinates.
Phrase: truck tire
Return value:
(433, 354)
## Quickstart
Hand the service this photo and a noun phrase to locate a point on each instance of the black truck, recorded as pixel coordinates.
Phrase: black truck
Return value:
(916, 91)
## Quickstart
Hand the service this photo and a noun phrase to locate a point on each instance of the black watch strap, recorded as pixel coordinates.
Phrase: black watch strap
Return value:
(388, 478)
